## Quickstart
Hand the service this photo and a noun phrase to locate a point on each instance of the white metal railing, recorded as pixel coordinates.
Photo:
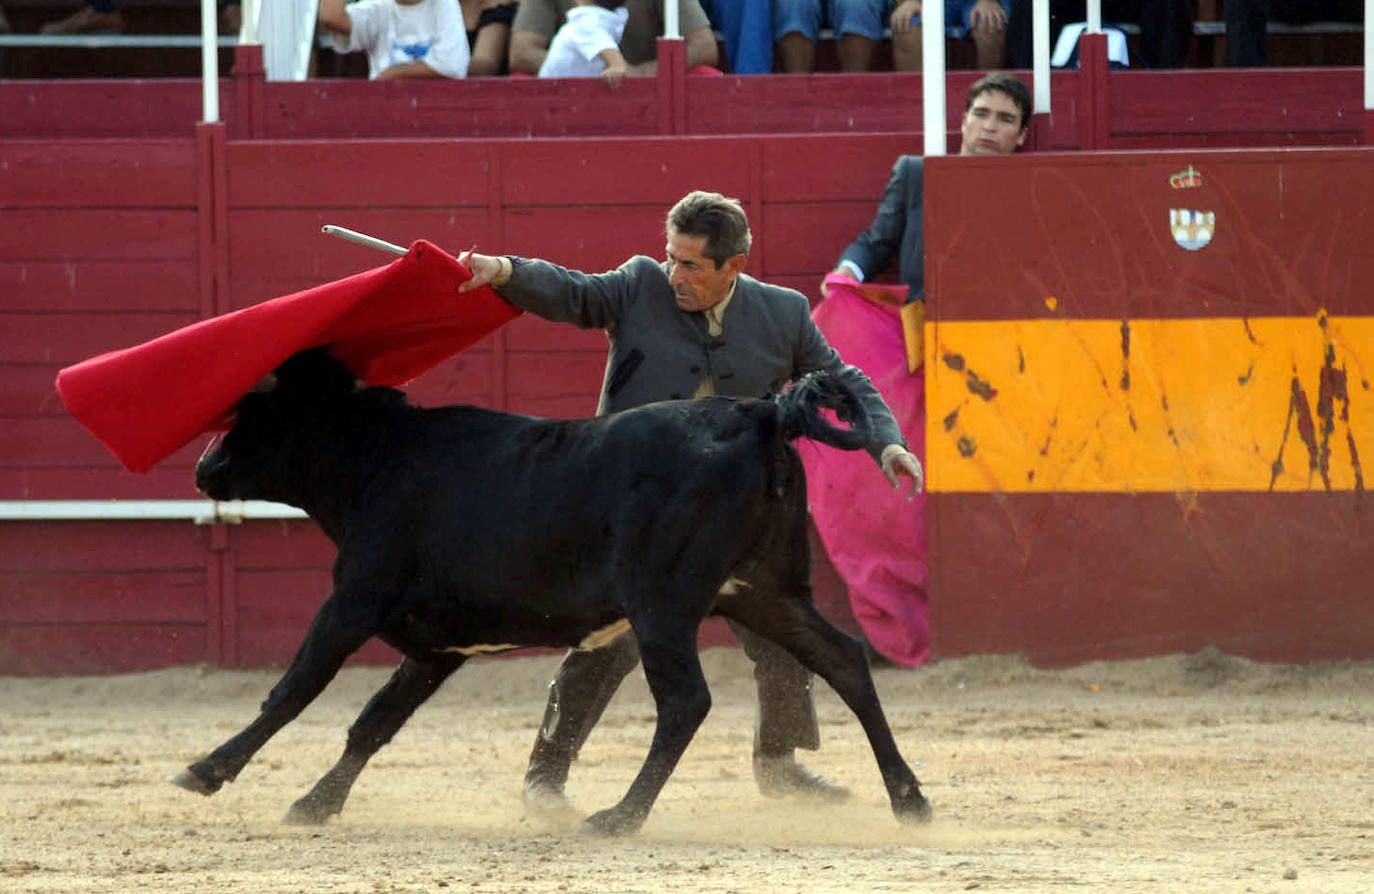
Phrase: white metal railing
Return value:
(933, 77)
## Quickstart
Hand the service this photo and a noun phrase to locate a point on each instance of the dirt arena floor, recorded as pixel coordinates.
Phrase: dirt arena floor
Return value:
(1183, 773)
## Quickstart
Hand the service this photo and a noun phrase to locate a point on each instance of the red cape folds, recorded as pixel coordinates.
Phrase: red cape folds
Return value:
(389, 324)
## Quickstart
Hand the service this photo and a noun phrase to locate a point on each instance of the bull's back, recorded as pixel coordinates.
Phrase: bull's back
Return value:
(521, 489)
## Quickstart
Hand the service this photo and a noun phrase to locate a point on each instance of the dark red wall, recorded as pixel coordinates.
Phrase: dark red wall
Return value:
(1103, 571)
(109, 243)
(110, 236)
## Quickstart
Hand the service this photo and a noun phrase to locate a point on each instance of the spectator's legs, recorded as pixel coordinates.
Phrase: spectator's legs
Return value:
(230, 17)
(907, 54)
(855, 52)
(490, 39)
(748, 29)
(859, 24)
(796, 23)
(489, 51)
(1245, 32)
(991, 49)
(990, 45)
(97, 17)
(796, 53)
(1166, 27)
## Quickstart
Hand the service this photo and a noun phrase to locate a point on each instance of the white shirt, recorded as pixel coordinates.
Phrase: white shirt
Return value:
(588, 31)
(430, 31)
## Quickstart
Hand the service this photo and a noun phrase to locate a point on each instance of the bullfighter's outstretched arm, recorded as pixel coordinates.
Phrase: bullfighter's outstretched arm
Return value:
(588, 300)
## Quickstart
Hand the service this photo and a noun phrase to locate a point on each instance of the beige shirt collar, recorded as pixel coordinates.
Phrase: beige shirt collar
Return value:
(715, 314)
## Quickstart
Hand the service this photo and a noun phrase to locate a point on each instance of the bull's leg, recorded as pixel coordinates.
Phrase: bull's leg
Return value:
(335, 633)
(796, 625)
(387, 711)
(667, 647)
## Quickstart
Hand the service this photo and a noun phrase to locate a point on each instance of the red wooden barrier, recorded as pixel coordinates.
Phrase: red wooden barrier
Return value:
(1145, 435)
(104, 243)
(192, 227)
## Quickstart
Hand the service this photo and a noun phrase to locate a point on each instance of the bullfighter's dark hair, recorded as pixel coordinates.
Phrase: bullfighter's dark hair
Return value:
(721, 220)
(1011, 85)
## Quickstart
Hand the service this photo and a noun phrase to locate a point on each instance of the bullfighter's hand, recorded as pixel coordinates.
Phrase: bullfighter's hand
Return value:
(485, 269)
(901, 462)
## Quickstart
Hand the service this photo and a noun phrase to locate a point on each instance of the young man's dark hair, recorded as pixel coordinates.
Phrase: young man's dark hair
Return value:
(1002, 82)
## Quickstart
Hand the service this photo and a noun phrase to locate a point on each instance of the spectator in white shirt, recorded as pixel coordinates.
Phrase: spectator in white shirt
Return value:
(402, 38)
(588, 44)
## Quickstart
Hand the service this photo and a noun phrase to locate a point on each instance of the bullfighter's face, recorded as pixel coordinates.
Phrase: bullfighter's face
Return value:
(992, 125)
(697, 282)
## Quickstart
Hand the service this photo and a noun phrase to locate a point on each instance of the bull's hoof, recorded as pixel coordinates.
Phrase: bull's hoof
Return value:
(913, 809)
(610, 822)
(189, 780)
(306, 813)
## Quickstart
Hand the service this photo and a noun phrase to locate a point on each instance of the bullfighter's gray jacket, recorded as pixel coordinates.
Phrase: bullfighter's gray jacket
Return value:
(659, 352)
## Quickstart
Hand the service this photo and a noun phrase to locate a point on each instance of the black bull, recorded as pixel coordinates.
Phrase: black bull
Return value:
(461, 529)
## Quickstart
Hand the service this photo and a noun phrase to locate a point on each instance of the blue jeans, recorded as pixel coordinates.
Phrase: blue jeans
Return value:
(864, 17)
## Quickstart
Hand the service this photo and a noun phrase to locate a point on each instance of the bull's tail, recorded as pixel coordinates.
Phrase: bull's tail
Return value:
(800, 412)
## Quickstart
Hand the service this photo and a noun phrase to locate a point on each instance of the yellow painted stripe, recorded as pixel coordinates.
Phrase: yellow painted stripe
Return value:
(1275, 403)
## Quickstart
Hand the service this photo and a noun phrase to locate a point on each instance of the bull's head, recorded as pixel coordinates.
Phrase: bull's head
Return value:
(276, 432)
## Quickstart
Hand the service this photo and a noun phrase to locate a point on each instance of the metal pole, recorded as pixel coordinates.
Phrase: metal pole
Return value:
(1040, 54)
(1368, 56)
(199, 511)
(1094, 16)
(252, 9)
(933, 76)
(671, 28)
(209, 61)
(362, 239)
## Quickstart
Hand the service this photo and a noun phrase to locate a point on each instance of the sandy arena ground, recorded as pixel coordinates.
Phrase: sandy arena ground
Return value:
(1184, 773)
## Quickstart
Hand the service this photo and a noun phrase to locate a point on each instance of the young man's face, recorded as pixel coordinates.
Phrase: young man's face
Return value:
(992, 125)
(696, 282)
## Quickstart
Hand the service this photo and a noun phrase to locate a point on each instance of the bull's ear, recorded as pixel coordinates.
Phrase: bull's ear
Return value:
(265, 384)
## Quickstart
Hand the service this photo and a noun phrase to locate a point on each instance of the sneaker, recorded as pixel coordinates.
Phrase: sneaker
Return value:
(783, 777)
(87, 20)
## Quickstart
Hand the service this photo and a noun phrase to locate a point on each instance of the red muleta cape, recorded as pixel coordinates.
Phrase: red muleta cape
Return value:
(389, 324)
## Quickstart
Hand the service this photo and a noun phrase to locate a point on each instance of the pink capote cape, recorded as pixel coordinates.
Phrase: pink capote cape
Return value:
(875, 538)
(388, 324)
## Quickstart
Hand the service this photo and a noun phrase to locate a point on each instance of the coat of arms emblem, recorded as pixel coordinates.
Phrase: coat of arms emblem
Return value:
(1192, 229)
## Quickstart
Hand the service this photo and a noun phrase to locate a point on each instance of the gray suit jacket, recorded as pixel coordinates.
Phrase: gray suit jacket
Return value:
(898, 229)
(659, 352)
